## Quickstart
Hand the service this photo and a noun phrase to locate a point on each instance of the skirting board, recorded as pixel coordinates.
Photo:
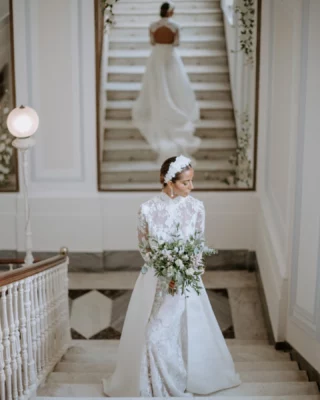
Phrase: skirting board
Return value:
(312, 373)
(132, 260)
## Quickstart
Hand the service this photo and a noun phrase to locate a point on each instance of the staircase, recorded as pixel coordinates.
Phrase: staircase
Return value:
(128, 163)
(266, 373)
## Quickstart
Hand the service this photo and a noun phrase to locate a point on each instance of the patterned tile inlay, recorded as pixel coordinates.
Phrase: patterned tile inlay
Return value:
(100, 314)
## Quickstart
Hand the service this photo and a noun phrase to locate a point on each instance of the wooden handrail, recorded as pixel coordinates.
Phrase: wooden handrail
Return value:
(25, 272)
(6, 261)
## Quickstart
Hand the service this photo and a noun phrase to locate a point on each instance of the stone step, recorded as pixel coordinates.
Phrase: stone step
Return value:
(148, 172)
(151, 186)
(239, 353)
(220, 110)
(83, 345)
(245, 389)
(246, 376)
(187, 28)
(197, 73)
(214, 91)
(132, 133)
(189, 57)
(217, 397)
(181, 16)
(203, 105)
(117, 145)
(241, 366)
(140, 150)
(209, 42)
(202, 124)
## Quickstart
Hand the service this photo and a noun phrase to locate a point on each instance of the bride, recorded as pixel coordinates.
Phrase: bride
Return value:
(171, 346)
(166, 109)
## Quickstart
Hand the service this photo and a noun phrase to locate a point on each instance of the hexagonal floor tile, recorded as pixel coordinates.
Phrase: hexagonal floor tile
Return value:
(91, 313)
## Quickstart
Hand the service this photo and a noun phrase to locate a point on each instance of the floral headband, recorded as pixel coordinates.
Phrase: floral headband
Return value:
(177, 166)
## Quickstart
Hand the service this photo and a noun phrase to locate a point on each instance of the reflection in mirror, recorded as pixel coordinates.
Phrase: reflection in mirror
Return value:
(219, 47)
(8, 155)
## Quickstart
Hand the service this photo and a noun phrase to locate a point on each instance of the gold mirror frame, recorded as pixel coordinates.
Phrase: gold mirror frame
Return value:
(7, 103)
(99, 29)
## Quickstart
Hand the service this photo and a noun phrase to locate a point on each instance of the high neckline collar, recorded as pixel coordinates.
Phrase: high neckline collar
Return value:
(169, 200)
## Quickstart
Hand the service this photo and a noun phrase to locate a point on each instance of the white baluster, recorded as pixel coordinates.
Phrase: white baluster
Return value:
(40, 282)
(34, 326)
(27, 305)
(66, 303)
(50, 313)
(45, 318)
(17, 333)
(24, 339)
(12, 330)
(2, 374)
(37, 317)
(6, 342)
(56, 309)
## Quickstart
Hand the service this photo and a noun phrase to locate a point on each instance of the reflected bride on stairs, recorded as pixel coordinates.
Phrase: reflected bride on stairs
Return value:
(166, 109)
(171, 344)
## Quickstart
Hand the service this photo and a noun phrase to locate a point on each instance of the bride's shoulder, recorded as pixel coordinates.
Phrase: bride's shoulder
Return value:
(150, 203)
(196, 203)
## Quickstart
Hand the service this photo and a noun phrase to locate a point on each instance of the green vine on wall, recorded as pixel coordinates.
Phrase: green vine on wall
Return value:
(242, 173)
(6, 150)
(107, 10)
(246, 18)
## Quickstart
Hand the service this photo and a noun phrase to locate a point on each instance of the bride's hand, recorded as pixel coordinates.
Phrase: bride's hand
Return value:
(172, 284)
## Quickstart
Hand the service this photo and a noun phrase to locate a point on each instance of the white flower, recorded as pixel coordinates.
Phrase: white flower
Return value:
(161, 242)
(170, 272)
(185, 257)
(147, 257)
(190, 271)
(179, 263)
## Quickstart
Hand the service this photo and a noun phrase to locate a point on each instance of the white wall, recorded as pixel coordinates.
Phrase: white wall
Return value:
(288, 224)
(55, 74)
(303, 325)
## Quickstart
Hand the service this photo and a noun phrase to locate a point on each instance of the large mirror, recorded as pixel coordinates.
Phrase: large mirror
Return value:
(8, 155)
(219, 47)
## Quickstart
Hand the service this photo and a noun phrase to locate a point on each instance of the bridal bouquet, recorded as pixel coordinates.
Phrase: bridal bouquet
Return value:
(177, 262)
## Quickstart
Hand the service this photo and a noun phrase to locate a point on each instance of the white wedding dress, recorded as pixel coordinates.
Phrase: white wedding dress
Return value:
(166, 108)
(171, 346)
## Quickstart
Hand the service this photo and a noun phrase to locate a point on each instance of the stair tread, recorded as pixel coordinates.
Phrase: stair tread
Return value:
(257, 389)
(183, 53)
(195, 69)
(184, 39)
(114, 166)
(203, 104)
(205, 123)
(184, 11)
(246, 376)
(127, 186)
(72, 366)
(187, 24)
(131, 144)
(134, 86)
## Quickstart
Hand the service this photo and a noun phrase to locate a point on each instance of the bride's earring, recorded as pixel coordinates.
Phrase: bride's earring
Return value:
(172, 193)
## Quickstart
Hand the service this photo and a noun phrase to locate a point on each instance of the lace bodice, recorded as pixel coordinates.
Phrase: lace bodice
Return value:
(160, 215)
(168, 23)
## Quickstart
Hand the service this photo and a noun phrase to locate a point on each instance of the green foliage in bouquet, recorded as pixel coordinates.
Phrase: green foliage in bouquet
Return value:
(177, 262)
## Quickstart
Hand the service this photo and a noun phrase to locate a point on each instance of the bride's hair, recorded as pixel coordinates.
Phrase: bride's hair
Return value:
(164, 9)
(165, 168)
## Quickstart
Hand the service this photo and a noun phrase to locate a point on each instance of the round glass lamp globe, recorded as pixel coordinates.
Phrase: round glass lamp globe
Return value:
(23, 122)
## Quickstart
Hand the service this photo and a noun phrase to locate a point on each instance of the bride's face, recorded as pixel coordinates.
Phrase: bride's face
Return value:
(184, 185)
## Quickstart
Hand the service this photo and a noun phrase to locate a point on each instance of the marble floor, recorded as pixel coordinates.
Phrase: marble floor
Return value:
(99, 301)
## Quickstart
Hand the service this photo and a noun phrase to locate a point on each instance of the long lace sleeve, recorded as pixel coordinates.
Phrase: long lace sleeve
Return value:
(176, 41)
(200, 221)
(143, 233)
